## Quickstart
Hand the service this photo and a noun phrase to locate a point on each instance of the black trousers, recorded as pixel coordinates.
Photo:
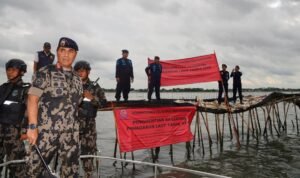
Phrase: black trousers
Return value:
(151, 86)
(124, 88)
(221, 90)
(237, 88)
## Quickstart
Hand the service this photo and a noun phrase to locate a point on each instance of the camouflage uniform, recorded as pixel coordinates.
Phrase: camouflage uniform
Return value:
(60, 94)
(11, 125)
(87, 127)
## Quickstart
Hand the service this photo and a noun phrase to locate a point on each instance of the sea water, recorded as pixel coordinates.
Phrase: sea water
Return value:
(270, 156)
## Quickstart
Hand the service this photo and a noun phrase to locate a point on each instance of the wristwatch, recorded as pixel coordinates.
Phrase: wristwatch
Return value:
(32, 126)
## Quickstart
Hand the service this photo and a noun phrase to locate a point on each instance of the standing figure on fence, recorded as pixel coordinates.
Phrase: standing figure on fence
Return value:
(94, 98)
(12, 114)
(237, 83)
(43, 58)
(223, 85)
(153, 72)
(124, 76)
(53, 104)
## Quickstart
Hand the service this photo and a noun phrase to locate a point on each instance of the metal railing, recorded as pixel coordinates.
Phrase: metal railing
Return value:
(199, 173)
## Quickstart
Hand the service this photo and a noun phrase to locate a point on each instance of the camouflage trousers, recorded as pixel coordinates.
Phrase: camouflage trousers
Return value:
(88, 138)
(13, 148)
(66, 144)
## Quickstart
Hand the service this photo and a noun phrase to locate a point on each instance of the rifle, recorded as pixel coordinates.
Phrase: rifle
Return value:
(93, 84)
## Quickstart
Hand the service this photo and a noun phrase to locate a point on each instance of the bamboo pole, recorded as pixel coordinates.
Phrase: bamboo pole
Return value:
(223, 125)
(188, 149)
(235, 130)
(207, 129)
(274, 125)
(277, 114)
(258, 121)
(115, 151)
(284, 111)
(248, 130)
(202, 143)
(152, 154)
(198, 129)
(229, 124)
(266, 123)
(132, 157)
(216, 124)
(251, 120)
(279, 118)
(171, 154)
(219, 128)
(296, 115)
(255, 123)
(237, 123)
(194, 139)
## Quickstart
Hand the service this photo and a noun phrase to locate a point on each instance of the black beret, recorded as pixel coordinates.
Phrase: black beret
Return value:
(67, 43)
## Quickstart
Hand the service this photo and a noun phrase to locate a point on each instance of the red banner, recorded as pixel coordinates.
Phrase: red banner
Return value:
(142, 128)
(189, 70)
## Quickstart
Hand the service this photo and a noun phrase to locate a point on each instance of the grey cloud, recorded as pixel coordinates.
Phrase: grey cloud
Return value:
(164, 6)
(264, 41)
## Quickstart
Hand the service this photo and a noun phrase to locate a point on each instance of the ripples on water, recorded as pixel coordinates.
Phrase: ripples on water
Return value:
(272, 157)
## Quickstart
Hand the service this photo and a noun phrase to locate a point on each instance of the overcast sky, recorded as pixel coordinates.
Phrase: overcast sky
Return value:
(262, 36)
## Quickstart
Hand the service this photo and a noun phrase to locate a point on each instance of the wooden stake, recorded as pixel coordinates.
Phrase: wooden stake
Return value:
(296, 115)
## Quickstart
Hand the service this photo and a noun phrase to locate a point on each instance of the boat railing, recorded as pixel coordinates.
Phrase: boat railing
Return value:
(155, 165)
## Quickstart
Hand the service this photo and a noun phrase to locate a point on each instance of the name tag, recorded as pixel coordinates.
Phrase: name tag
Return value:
(86, 99)
(8, 102)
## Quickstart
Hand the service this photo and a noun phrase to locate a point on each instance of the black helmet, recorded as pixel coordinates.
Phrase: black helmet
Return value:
(82, 65)
(16, 63)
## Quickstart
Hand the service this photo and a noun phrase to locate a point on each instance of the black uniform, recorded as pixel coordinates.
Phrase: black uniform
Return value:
(225, 78)
(237, 85)
(154, 72)
(12, 111)
(124, 71)
(44, 59)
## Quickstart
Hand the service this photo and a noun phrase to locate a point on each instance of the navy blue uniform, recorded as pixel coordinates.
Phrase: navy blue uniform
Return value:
(154, 72)
(237, 85)
(225, 78)
(44, 59)
(124, 71)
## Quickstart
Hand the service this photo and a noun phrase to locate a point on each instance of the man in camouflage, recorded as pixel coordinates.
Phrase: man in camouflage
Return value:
(12, 113)
(53, 102)
(94, 98)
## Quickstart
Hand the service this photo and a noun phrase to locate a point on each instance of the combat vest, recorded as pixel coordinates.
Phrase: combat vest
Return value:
(87, 109)
(12, 107)
(44, 60)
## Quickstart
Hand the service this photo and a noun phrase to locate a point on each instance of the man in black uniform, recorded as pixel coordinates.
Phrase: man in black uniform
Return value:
(153, 72)
(12, 113)
(223, 85)
(124, 75)
(237, 83)
(43, 58)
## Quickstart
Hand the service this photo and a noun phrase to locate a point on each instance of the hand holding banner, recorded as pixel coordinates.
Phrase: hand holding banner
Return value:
(189, 70)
